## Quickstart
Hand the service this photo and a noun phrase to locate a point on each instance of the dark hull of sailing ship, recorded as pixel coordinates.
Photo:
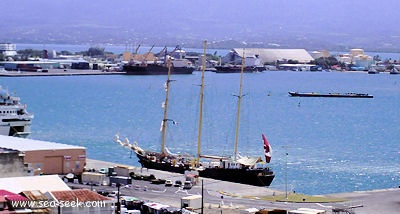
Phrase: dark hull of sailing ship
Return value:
(255, 177)
(153, 161)
(154, 69)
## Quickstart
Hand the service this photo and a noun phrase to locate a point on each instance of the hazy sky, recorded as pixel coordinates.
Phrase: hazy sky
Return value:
(215, 19)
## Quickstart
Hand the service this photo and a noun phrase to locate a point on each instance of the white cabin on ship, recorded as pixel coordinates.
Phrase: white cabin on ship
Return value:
(14, 118)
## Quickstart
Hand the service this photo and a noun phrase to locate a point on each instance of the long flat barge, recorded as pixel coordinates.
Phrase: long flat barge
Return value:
(338, 95)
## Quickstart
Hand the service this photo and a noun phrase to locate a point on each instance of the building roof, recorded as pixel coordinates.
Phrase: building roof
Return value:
(82, 195)
(272, 55)
(30, 62)
(129, 198)
(42, 183)
(5, 150)
(156, 206)
(191, 197)
(12, 196)
(34, 195)
(25, 144)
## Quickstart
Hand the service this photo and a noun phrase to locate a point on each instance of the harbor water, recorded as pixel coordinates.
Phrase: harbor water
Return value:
(320, 145)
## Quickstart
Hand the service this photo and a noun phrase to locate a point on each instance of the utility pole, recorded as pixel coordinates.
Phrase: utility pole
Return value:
(202, 197)
(118, 202)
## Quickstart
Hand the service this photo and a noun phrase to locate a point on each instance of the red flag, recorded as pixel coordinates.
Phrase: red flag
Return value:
(267, 149)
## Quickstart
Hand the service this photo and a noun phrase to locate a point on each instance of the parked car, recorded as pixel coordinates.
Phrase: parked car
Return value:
(103, 170)
(178, 183)
(158, 181)
(168, 183)
(187, 185)
(113, 194)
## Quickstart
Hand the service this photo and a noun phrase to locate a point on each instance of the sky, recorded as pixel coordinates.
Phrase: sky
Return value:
(283, 22)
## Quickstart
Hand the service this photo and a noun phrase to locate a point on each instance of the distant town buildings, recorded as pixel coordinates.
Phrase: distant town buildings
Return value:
(267, 58)
(320, 53)
(357, 58)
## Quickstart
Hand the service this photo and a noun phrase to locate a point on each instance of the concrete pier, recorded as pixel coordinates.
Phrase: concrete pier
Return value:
(227, 197)
(58, 72)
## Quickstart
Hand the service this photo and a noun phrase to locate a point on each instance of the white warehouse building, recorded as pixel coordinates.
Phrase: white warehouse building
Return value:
(270, 56)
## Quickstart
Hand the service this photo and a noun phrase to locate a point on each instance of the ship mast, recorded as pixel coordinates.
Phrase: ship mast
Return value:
(201, 103)
(239, 96)
(165, 106)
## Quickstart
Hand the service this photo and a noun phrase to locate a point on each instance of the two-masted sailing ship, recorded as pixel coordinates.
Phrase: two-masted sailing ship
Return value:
(246, 170)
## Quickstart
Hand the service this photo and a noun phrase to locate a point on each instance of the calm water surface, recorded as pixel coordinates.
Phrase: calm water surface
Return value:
(332, 144)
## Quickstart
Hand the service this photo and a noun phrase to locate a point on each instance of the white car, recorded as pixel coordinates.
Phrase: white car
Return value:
(168, 183)
(113, 194)
(103, 170)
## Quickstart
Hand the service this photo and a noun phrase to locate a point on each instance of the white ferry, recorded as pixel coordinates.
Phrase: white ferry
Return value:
(14, 119)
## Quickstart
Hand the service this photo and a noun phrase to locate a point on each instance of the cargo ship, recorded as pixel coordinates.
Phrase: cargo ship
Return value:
(155, 69)
(177, 63)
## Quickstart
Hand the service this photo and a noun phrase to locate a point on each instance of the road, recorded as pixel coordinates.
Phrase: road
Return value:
(244, 196)
(213, 198)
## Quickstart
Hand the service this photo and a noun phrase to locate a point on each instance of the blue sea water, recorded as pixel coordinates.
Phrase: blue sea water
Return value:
(323, 145)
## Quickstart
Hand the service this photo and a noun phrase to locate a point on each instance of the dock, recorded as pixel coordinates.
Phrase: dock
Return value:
(58, 72)
(223, 187)
(238, 197)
